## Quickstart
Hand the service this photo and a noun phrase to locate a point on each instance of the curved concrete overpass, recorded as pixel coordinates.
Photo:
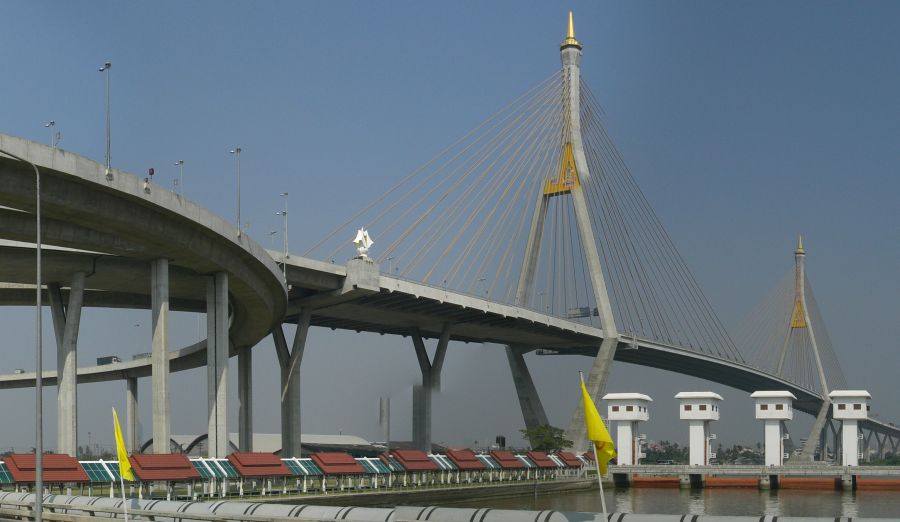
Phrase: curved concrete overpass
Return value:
(132, 226)
(114, 239)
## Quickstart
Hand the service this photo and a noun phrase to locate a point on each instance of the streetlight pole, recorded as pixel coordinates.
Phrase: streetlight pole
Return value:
(105, 68)
(180, 164)
(237, 162)
(39, 356)
(284, 234)
(50, 124)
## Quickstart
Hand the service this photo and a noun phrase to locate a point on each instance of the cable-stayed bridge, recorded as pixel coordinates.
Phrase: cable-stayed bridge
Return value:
(529, 232)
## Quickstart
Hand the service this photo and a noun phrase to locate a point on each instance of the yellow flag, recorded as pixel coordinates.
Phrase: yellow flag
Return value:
(124, 464)
(604, 449)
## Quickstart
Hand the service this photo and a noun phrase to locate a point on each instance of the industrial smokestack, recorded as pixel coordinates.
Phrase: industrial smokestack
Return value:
(384, 420)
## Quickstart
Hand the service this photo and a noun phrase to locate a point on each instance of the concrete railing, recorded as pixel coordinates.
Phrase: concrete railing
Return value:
(18, 506)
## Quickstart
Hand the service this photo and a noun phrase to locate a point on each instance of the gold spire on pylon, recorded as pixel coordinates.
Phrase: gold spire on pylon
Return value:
(570, 40)
(799, 245)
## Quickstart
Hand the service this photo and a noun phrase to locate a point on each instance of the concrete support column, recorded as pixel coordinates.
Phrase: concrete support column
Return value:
(529, 401)
(245, 399)
(217, 346)
(66, 322)
(132, 438)
(595, 384)
(159, 357)
(421, 428)
(289, 361)
(431, 371)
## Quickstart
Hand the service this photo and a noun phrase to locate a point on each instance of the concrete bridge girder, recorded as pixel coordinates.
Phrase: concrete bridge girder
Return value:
(75, 190)
(138, 246)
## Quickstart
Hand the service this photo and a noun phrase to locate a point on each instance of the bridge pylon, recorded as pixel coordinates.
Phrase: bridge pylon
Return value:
(799, 325)
(573, 168)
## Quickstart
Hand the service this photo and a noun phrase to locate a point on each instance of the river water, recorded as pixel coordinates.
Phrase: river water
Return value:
(712, 501)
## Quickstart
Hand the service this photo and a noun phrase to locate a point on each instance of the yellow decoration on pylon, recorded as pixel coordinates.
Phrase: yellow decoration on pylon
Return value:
(568, 175)
(798, 318)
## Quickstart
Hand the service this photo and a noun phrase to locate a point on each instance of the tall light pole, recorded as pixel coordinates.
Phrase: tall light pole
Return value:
(39, 356)
(50, 124)
(237, 164)
(284, 234)
(105, 68)
(180, 164)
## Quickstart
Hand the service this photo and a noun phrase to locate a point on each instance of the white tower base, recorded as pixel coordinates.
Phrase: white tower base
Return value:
(774, 439)
(625, 443)
(699, 437)
(849, 443)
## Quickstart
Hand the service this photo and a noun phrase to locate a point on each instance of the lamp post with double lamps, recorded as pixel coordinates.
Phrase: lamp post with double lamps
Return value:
(284, 234)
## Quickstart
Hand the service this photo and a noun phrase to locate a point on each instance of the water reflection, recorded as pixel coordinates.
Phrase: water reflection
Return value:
(711, 501)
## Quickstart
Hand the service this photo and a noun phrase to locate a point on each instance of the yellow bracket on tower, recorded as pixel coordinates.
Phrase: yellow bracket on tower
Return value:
(567, 178)
(798, 318)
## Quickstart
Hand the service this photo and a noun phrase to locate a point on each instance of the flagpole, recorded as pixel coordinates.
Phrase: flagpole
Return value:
(586, 399)
(600, 482)
(122, 456)
(124, 502)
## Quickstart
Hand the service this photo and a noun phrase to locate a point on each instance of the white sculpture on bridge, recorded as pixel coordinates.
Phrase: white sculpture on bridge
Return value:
(363, 242)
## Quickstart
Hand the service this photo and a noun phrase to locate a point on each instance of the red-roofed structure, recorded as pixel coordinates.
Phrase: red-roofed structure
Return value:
(337, 464)
(57, 468)
(590, 456)
(569, 459)
(465, 459)
(541, 459)
(258, 464)
(166, 466)
(414, 460)
(507, 460)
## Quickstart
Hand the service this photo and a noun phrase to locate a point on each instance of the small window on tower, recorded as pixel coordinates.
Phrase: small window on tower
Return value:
(687, 407)
(615, 408)
(842, 406)
(857, 406)
(702, 407)
(629, 408)
(764, 407)
(779, 406)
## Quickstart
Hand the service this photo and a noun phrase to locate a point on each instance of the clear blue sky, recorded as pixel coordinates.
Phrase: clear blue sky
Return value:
(744, 123)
